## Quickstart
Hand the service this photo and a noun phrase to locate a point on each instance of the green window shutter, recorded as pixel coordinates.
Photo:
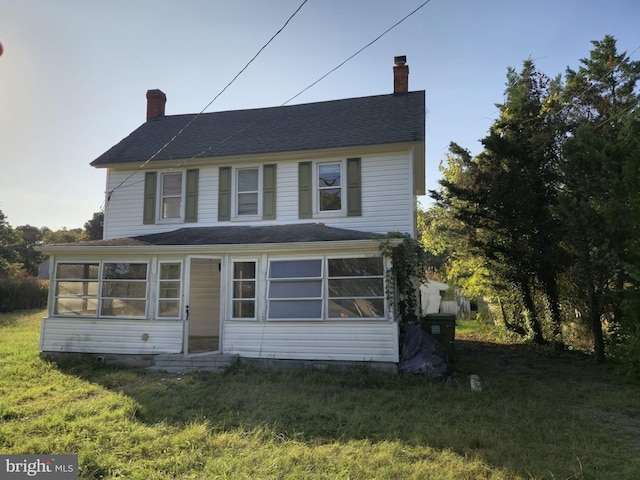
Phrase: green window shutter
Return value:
(354, 187)
(191, 197)
(269, 192)
(305, 193)
(149, 206)
(224, 194)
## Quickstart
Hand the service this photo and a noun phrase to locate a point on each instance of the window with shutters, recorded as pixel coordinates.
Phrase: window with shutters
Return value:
(171, 196)
(247, 193)
(330, 188)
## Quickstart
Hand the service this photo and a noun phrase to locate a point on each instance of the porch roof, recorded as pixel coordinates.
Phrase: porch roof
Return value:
(238, 235)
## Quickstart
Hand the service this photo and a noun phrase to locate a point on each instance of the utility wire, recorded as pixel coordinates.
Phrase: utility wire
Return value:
(250, 124)
(181, 131)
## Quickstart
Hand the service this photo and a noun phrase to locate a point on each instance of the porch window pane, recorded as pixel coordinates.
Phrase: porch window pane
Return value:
(170, 271)
(75, 306)
(66, 288)
(356, 287)
(244, 309)
(295, 289)
(168, 308)
(169, 289)
(295, 269)
(302, 309)
(120, 289)
(356, 308)
(137, 271)
(77, 271)
(349, 267)
(123, 308)
(246, 289)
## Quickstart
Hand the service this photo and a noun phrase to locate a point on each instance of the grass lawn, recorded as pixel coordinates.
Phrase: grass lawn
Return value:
(541, 414)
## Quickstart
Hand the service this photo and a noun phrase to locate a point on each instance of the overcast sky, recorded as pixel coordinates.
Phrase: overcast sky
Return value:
(74, 73)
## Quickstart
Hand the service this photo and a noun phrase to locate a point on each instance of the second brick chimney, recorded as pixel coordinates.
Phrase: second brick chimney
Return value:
(400, 75)
(156, 100)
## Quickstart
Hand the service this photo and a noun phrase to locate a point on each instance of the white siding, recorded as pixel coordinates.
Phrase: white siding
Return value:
(339, 341)
(110, 336)
(387, 198)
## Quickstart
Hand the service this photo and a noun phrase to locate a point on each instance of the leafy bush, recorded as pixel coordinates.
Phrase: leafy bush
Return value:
(23, 293)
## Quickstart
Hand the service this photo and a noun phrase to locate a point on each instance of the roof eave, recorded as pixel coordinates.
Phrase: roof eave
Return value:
(314, 247)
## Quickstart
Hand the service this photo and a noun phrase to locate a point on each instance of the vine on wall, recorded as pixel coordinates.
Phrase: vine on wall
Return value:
(409, 263)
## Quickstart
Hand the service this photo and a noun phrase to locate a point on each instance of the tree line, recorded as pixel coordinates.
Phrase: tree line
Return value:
(545, 221)
(18, 256)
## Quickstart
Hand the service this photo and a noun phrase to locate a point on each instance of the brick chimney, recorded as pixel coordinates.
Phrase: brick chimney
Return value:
(155, 104)
(400, 75)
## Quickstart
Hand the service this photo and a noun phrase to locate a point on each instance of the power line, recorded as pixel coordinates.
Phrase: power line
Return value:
(250, 124)
(142, 165)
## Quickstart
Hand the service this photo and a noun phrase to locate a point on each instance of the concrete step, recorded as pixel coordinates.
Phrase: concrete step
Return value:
(178, 363)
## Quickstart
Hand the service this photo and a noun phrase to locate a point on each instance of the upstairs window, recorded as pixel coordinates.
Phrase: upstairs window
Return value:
(247, 191)
(330, 187)
(171, 195)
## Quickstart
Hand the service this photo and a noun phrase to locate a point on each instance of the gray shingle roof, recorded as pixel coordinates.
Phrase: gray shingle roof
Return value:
(239, 235)
(375, 120)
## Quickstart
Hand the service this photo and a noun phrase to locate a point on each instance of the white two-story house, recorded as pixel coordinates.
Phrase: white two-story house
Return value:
(252, 232)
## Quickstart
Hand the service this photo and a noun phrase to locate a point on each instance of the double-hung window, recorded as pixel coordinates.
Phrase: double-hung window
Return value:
(247, 192)
(326, 289)
(103, 289)
(330, 187)
(244, 290)
(171, 195)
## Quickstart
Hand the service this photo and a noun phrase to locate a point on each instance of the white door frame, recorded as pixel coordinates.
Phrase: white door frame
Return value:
(187, 295)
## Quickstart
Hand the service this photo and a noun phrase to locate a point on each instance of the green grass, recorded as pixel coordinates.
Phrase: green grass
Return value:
(541, 414)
